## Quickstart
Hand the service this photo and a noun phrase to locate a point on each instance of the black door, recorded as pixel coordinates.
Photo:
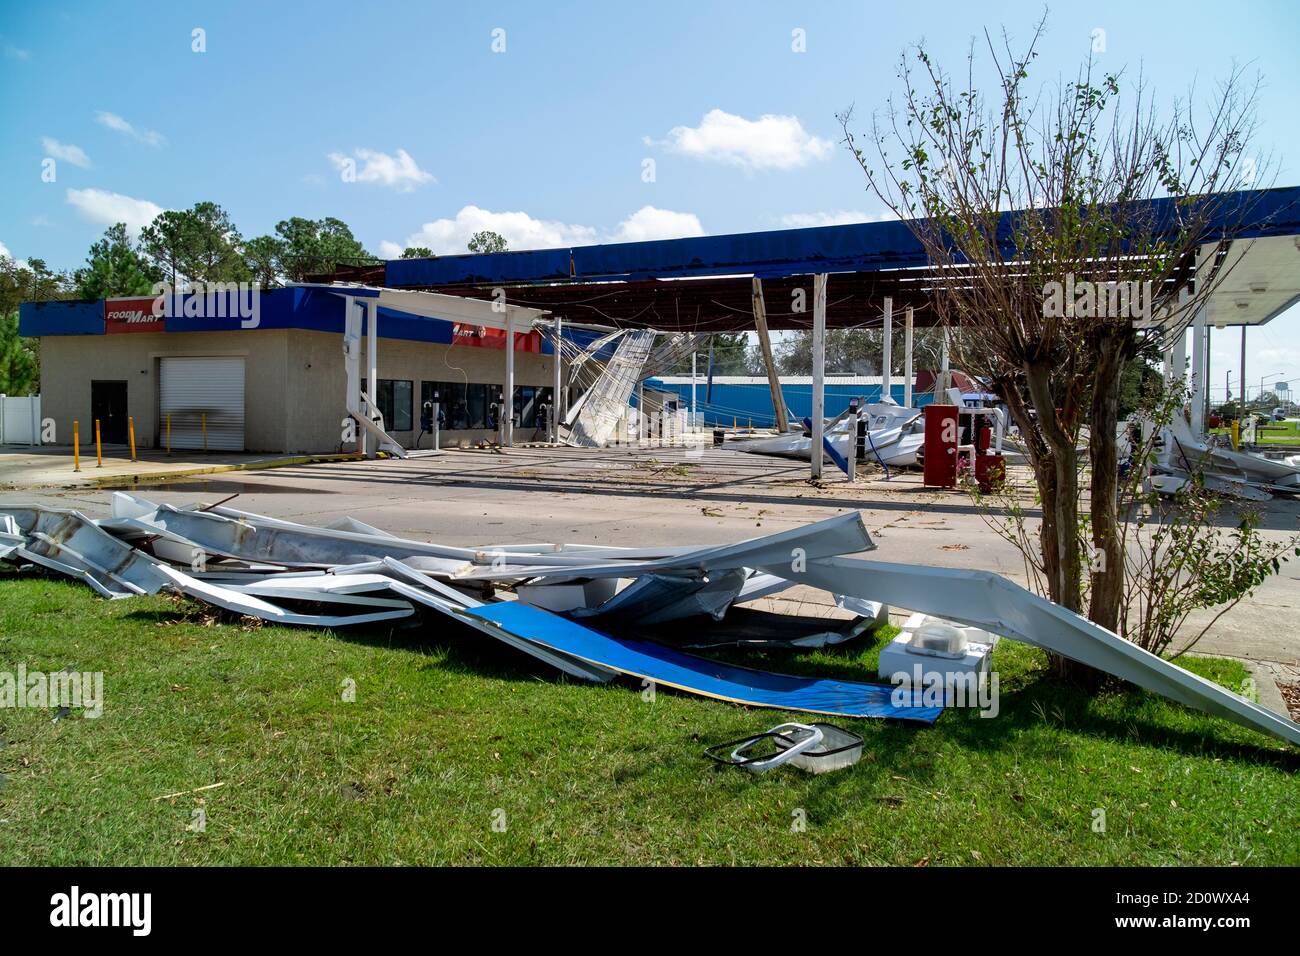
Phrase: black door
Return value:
(108, 404)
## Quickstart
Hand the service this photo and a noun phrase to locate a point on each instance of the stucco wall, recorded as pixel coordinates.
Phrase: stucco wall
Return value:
(293, 380)
(70, 362)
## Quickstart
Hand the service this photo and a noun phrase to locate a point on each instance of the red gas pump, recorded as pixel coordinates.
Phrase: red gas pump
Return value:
(941, 439)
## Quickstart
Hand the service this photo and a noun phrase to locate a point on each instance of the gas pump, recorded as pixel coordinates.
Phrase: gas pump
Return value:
(544, 413)
(942, 439)
(958, 437)
(430, 421)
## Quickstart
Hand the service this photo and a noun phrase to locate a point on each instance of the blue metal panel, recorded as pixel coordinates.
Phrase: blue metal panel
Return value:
(848, 248)
(540, 265)
(699, 675)
(61, 318)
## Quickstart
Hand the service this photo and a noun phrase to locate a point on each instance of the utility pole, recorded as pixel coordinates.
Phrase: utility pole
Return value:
(765, 344)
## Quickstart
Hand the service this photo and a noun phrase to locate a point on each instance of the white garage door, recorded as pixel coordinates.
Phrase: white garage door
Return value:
(191, 388)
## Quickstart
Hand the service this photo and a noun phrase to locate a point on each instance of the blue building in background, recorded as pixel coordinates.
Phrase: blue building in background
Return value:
(745, 398)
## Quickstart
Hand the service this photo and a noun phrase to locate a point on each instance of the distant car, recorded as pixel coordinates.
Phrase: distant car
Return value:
(1279, 415)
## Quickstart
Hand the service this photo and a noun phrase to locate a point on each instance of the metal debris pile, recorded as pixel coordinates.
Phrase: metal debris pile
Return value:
(589, 611)
(1246, 475)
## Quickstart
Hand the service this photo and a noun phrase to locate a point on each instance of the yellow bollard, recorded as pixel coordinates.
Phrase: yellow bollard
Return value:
(130, 430)
(203, 420)
(169, 434)
(1236, 435)
(733, 422)
(99, 449)
(76, 445)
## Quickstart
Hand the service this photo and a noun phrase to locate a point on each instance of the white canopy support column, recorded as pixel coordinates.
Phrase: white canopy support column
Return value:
(556, 380)
(508, 398)
(371, 438)
(352, 369)
(1242, 416)
(372, 360)
(887, 351)
(908, 374)
(818, 373)
(1209, 332)
(641, 417)
(695, 409)
(1197, 397)
(1175, 359)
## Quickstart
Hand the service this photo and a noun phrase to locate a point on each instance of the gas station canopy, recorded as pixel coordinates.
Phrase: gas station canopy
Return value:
(704, 284)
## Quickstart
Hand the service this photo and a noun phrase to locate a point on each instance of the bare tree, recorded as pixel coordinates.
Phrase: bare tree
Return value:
(1068, 228)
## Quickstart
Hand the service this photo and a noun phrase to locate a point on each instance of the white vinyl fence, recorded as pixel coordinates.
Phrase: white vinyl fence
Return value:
(20, 420)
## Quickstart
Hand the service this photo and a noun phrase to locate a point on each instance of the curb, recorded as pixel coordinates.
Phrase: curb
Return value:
(1267, 693)
(112, 481)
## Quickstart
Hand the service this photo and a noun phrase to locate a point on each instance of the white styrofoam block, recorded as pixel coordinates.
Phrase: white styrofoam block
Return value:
(901, 657)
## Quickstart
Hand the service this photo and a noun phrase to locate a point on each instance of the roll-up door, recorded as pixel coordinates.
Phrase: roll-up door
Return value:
(195, 390)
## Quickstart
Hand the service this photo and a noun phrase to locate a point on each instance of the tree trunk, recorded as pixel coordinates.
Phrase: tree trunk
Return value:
(1058, 483)
(1064, 467)
(1040, 460)
(1107, 570)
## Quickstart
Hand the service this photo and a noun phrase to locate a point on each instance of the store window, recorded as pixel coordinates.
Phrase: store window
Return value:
(464, 405)
(528, 402)
(394, 400)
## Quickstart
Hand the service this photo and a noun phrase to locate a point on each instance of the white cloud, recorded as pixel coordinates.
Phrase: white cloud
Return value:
(65, 151)
(118, 125)
(769, 142)
(399, 172)
(6, 254)
(522, 231)
(451, 236)
(1278, 356)
(105, 208)
(842, 217)
(17, 53)
(41, 220)
(651, 223)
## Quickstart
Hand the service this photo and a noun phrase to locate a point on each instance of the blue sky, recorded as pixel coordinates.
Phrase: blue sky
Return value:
(445, 135)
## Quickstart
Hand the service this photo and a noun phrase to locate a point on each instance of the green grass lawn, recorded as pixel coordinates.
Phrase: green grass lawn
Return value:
(1274, 433)
(447, 729)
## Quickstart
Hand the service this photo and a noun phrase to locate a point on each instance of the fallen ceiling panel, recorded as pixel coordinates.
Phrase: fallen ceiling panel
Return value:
(698, 675)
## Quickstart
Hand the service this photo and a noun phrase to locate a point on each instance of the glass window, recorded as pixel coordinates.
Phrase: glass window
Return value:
(528, 402)
(463, 405)
(394, 401)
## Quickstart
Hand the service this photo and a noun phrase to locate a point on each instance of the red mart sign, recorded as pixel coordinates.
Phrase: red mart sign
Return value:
(131, 315)
(484, 338)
